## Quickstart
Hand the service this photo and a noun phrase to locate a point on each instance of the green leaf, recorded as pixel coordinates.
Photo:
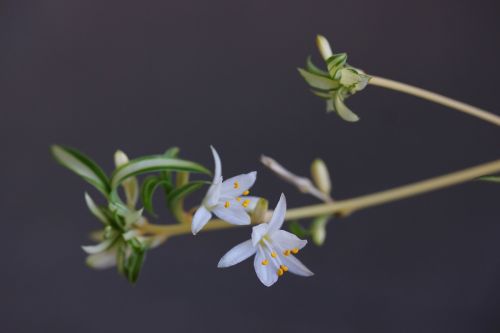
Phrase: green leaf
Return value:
(168, 186)
(82, 166)
(343, 111)
(96, 210)
(296, 228)
(335, 63)
(148, 189)
(100, 247)
(312, 68)
(183, 191)
(317, 81)
(135, 260)
(493, 179)
(151, 164)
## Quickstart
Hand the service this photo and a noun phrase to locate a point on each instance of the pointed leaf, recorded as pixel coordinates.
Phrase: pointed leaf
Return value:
(183, 191)
(317, 81)
(82, 166)
(151, 164)
(493, 179)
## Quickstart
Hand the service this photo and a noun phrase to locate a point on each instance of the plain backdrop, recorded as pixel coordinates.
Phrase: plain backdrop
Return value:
(146, 75)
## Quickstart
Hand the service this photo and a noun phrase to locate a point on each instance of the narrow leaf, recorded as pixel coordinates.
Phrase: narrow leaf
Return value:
(493, 179)
(317, 81)
(343, 111)
(312, 68)
(95, 210)
(151, 164)
(183, 191)
(82, 166)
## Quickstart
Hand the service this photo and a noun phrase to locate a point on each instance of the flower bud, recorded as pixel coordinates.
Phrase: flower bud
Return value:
(120, 158)
(318, 230)
(130, 185)
(321, 176)
(258, 214)
(324, 47)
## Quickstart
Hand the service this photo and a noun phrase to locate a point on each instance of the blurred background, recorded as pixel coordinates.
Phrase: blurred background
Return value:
(146, 75)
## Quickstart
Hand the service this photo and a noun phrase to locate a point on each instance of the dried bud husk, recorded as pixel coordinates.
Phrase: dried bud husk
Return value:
(321, 176)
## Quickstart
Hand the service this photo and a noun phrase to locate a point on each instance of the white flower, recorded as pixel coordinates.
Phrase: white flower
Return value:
(274, 249)
(224, 199)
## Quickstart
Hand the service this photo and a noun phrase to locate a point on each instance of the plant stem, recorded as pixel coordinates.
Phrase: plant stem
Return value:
(436, 98)
(349, 206)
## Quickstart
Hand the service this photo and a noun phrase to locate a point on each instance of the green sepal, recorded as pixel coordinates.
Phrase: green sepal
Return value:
(83, 166)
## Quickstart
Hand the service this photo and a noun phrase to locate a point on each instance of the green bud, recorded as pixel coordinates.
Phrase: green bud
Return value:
(321, 176)
(258, 214)
(318, 230)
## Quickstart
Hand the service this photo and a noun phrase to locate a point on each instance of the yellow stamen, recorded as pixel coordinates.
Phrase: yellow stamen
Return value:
(295, 250)
(280, 272)
(273, 254)
(226, 205)
(236, 184)
(284, 268)
(245, 203)
(265, 262)
(238, 199)
(246, 192)
(286, 252)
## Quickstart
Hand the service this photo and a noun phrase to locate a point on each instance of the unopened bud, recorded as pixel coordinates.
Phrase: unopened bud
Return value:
(120, 158)
(318, 230)
(324, 47)
(321, 176)
(258, 214)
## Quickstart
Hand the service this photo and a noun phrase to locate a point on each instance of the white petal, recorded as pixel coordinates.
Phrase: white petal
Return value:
(235, 186)
(295, 266)
(102, 246)
(218, 164)
(102, 260)
(237, 254)
(213, 193)
(200, 218)
(234, 214)
(286, 240)
(278, 215)
(258, 232)
(266, 273)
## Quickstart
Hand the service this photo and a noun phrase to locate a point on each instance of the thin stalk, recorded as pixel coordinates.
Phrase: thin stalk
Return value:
(349, 206)
(436, 98)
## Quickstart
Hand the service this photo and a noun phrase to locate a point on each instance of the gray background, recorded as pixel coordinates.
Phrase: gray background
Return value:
(145, 75)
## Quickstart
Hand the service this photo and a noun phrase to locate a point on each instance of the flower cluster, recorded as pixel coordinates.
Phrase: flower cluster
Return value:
(274, 249)
(337, 83)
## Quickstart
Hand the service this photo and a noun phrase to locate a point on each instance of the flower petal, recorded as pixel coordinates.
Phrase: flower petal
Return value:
(234, 214)
(278, 215)
(258, 232)
(236, 186)
(100, 247)
(218, 164)
(286, 240)
(102, 260)
(200, 218)
(295, 266)
(237, 254)
(266, 273)
(213, 194)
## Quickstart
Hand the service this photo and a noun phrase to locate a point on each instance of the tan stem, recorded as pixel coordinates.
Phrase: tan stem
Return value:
(436, 98)
(350, 205)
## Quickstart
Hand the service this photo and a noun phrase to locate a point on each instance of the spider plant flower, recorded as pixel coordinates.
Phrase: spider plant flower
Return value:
(274, 249)
(226, 199)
